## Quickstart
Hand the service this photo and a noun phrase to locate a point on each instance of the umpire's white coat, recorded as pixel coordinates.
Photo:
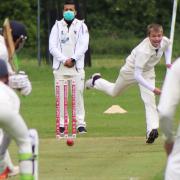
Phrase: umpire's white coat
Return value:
(168, 102)
(142, 58)
(67, 43)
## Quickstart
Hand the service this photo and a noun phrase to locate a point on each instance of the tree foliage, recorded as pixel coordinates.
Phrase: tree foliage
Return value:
(105, 18)
(24, 11)
(118, 16)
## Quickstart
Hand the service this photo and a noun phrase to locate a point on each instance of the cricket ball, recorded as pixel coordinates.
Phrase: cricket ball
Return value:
(70, 142)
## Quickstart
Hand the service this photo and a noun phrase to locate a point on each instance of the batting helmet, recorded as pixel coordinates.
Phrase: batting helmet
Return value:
(18, 30)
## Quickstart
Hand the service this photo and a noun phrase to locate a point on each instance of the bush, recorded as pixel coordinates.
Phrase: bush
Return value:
(111, 45)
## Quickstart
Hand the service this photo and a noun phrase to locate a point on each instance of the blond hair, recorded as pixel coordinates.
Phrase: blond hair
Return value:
(154, 27)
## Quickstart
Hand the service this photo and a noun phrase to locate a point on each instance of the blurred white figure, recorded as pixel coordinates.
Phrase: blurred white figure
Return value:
(169, 100)
(15, 128)
(19, 81)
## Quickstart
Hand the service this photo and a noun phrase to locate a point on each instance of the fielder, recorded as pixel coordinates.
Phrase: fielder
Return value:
(15, 128)
(12, 40)
(68, 42)
(139, 68)
(169, 100)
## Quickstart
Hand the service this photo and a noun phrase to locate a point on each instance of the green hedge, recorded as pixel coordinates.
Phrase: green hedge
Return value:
(110, 45)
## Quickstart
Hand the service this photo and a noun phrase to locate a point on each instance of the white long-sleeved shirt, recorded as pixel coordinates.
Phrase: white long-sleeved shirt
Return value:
(65, 43)
(144, 57)
(169, 100)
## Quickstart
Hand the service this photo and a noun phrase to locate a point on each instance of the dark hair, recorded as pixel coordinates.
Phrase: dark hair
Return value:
(155, 27)
(69, 2)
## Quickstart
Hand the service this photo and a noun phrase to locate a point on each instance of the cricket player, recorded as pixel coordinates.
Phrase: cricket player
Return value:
(13, 127)
(68, 42)
(139, 68)
(169, 100)
(19, 81)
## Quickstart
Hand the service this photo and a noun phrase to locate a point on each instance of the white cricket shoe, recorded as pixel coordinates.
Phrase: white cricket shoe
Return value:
(89, 84)
(14, 172)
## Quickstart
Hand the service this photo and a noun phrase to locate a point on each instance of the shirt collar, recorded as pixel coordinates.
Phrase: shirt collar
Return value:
(65, 24)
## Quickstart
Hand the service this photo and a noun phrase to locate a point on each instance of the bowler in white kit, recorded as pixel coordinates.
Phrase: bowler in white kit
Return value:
(139, 68)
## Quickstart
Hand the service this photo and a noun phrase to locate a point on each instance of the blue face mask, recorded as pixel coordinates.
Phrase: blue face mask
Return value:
(69, 15)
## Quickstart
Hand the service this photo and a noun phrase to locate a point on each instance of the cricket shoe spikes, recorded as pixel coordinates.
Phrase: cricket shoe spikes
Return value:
(152, 136)
(89, 84)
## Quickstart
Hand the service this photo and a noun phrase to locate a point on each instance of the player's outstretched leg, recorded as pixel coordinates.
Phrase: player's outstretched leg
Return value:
(90, 82)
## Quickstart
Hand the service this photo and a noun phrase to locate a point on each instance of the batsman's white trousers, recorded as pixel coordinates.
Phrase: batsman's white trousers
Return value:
(79, 82)
(14, 127)
(8, 161)
(124, 80)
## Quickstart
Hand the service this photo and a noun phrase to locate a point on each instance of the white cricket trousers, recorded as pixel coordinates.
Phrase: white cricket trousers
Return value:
(79, 83)
(14, 127)
(7, 157)
(123, 81)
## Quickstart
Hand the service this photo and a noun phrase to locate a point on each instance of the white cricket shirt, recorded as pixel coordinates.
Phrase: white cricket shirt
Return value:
(145, 56)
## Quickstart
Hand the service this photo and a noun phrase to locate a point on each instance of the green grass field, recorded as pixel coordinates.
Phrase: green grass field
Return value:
(114, 147)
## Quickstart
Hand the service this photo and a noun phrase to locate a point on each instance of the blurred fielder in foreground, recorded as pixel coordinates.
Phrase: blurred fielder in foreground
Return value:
(12, 39)
(169, 100)
(15, 128)
(139, 68)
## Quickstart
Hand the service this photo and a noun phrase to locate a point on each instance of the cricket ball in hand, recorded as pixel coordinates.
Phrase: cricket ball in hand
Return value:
(70, 142)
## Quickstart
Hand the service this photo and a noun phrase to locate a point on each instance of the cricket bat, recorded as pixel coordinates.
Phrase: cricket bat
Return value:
(10, 45)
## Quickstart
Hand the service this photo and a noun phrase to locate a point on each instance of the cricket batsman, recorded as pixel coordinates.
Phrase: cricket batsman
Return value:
(12, 40)
(13, 127)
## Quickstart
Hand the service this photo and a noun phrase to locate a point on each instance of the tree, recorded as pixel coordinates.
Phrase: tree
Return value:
(22, 14)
